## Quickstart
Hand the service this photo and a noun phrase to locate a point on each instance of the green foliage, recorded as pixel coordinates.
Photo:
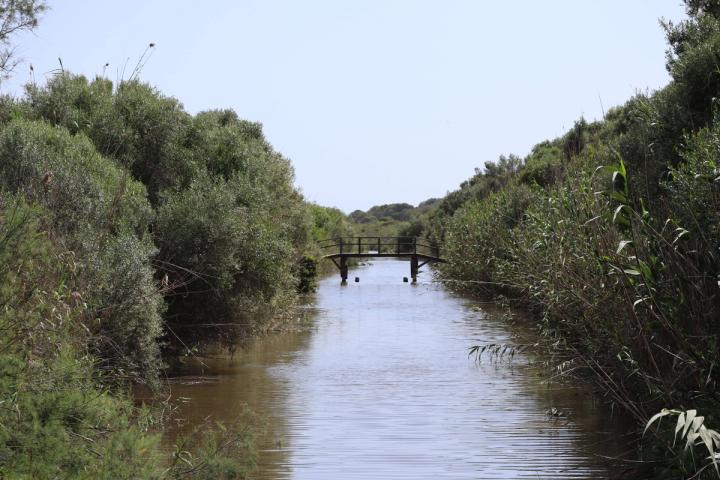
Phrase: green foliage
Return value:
(126, 305)
(575, 140)
(227, 248)
(397, 211)
(328, 222)
(218, 451)
(83, 190)
(54, 421)
(150, 229)
(479, 238)
(99, 212)
(307, 271)
(201, 229)
(392, 220)
(230, 225)
(619, 262)
(696, 453)
(57, 419)
(144, 131)
(543, 166)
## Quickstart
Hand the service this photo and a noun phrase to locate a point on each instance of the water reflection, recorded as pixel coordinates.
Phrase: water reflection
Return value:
(382, 387)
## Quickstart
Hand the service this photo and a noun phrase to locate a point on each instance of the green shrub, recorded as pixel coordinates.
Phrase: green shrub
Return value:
(54, 421)
(83, 190)
(99, 212)
(226, 252)
(306, 273)
(58, 417)
(479, 238)
(134, 124)
(543, 166)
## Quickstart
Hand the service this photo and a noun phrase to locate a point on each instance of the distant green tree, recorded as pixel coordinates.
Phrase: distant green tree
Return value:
(328, 222)
(396, 211)
(358, 216)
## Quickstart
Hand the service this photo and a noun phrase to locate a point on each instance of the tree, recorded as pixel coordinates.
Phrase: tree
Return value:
(696, 7)
(16, 16)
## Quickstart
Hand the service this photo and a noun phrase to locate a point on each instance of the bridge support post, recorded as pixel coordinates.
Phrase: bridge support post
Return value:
(414, 268)
(343, 269)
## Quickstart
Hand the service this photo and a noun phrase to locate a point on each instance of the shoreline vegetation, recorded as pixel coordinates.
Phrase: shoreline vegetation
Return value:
(610, 236)
(133, 233)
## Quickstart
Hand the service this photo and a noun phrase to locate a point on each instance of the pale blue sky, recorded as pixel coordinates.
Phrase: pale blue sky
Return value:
(374, 101)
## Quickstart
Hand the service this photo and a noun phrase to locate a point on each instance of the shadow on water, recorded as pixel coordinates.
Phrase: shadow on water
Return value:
(382, 387)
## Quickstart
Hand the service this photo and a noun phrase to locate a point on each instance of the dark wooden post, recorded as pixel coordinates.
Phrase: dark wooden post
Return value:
(343, 269)
(415, 245)
(359, 243)
(379, 245)
(414, 268)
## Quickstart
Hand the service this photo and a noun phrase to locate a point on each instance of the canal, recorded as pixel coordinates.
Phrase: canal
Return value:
(380, 386)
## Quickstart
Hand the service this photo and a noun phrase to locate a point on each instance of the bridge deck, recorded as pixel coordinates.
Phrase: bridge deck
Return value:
(343, 248)
(384, 255)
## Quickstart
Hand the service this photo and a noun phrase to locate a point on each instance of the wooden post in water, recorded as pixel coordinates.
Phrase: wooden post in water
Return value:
(343, 270)
(414, 268)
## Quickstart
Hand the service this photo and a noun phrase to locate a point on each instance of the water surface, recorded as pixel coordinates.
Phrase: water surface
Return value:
(381, 387)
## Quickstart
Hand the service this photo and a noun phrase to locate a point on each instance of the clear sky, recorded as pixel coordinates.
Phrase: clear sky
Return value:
(374, 101)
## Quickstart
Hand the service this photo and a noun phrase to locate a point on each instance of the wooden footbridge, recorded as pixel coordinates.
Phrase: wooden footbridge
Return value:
(340, 249)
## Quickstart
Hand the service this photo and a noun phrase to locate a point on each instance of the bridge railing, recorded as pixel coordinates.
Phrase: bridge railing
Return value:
(378, 245)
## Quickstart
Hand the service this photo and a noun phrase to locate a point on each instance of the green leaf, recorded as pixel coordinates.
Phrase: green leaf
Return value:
(645, 270)
(697, 423)
(621, 164)
(620, 217)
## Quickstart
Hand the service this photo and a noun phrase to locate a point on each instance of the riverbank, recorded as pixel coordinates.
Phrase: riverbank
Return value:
(609, 235)
(133, 233)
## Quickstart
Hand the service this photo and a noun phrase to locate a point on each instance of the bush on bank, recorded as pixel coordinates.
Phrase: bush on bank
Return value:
(63, 415)
(610, 234)
(147, 232)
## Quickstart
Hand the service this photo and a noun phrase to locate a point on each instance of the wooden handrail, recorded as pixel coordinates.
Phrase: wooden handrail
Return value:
(366, 245)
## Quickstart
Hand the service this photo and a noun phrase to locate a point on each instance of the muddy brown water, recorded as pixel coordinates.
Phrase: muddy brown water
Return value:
(381, 387)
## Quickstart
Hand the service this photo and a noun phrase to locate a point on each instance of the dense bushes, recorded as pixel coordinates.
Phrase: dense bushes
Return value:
(151, 231)
(101, 214)
(610, 234)
(54, 420)
(134, 124)
(131, 232)
(61, 416)
(126, 169)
